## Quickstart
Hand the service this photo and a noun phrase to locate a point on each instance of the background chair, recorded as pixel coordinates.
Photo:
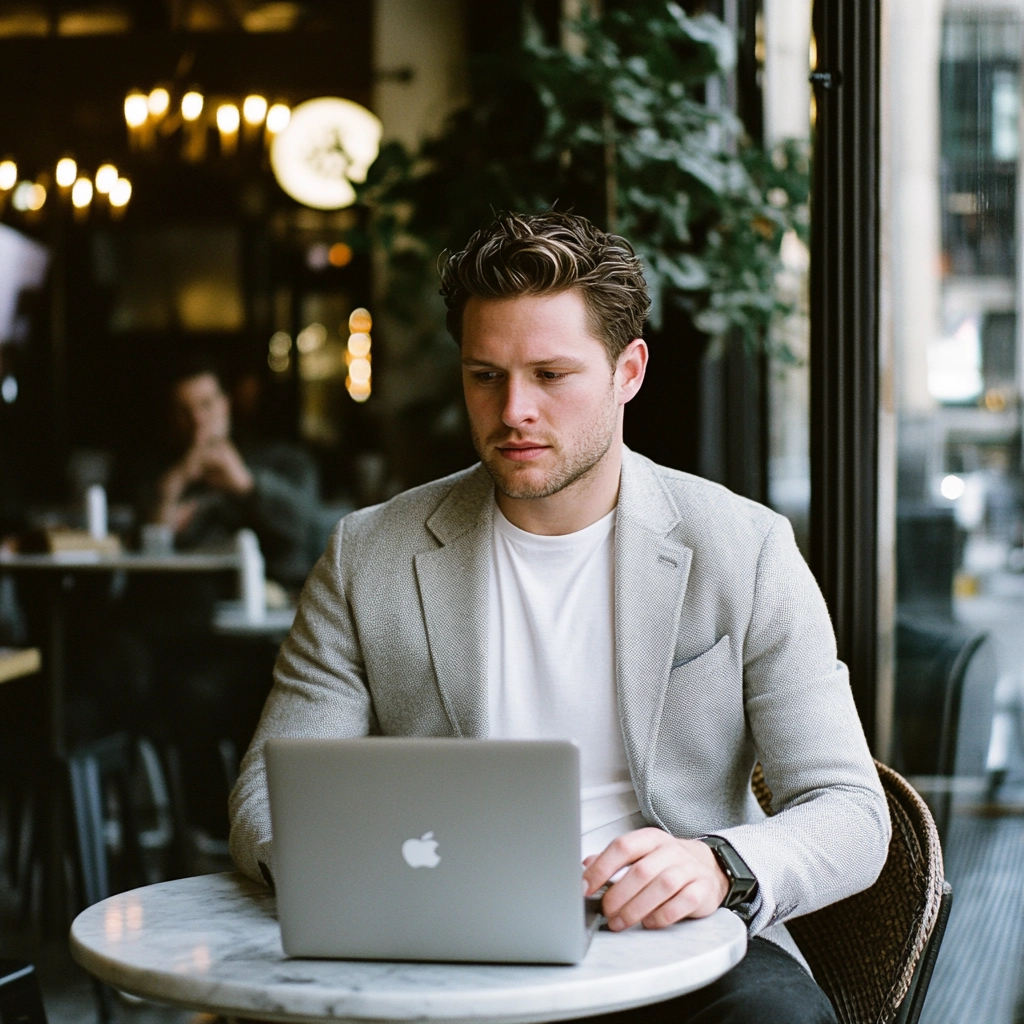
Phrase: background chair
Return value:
(97, 770)
(945, 682)
(20, 999)
(873, 953)
(103, 776)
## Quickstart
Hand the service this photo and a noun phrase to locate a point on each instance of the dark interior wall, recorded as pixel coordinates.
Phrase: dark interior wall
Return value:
(111, 383)
(66, 93)
(663, 422)
(83, 383)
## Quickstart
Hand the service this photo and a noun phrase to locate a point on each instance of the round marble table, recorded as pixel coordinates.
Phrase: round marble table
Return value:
(212, 943)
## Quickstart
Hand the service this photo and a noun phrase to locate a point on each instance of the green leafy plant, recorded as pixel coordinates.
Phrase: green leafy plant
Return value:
(616, 126)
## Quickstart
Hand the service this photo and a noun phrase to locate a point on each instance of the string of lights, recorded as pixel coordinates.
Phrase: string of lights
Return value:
(157, 114)
(147, 116)
(30, 195)
(314, 345)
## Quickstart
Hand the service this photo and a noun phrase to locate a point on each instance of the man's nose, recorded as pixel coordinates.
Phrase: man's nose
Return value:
(520, 405)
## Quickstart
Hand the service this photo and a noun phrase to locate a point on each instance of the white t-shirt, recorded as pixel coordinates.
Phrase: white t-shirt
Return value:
(551, 660)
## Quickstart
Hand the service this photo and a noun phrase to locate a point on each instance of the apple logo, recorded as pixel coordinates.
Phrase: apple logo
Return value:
(422, 852)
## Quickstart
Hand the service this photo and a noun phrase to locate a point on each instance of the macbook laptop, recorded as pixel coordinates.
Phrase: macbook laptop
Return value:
(429, 849)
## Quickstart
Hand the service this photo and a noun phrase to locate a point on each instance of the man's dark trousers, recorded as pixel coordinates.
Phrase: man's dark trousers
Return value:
(766, 987)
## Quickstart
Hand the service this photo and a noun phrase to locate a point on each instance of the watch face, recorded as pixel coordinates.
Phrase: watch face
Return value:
(328, 144)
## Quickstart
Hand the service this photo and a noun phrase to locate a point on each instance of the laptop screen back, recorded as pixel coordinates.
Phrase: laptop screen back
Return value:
(428, 849)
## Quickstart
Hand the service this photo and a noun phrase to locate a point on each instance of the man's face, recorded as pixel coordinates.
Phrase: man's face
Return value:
(544, 403)
(201, 410)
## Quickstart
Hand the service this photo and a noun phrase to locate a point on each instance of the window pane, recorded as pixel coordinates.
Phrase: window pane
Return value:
(951, 164)
(786, 26)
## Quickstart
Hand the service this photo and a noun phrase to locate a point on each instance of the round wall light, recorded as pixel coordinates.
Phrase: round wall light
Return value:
(328, 144)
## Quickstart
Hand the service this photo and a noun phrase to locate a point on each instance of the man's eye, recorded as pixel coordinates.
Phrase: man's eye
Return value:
(552, 375)
(485, 376)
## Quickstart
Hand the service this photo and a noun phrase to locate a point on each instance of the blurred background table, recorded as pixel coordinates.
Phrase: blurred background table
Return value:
(231, 619)
(17, 662)
(59, 572)
(62, 569)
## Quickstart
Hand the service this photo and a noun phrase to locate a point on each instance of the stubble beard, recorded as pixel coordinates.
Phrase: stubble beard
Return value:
(572, 464)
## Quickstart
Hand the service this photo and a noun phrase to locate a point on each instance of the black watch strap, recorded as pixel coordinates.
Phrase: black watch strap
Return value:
(742, 883)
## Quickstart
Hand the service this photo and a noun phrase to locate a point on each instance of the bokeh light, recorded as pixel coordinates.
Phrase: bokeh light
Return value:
(254, 109)
(121, 192)
(360, 321)
(28, 196)
(158, 102)
(311, 338)
(8, 175)
(106, 178)
(359, 371)
(280, 343)
(67, 171)
(339, 255)
(278, 117)
(228, 118)
(81, 193)
(952, 487)
(136, 109)
(359, 345)
(191, 105)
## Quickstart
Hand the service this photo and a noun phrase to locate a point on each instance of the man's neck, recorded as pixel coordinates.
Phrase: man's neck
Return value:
(573, 508)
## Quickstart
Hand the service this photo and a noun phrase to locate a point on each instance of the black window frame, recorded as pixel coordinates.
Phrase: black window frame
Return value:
(844, 337)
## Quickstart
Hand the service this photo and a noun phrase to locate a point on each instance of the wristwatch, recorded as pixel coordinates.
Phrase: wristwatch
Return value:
(742, 883)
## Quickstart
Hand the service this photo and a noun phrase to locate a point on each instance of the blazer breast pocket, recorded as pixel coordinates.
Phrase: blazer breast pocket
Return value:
(702, 720)
(722, 649)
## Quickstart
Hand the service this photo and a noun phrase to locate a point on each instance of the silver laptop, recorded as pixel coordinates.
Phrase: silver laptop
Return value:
(429, 849)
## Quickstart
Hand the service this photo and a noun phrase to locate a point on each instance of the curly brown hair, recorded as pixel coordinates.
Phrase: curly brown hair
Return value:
(547, 253)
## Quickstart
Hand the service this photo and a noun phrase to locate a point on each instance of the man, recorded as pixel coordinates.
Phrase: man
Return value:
(213, 490)
(569, 587)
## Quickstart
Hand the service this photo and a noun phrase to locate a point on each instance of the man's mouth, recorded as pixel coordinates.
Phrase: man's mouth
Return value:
(522, 451)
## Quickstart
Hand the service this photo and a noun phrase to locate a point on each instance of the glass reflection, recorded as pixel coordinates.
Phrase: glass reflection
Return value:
(951, 290)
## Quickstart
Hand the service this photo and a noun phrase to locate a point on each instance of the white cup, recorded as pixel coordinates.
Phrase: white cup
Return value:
(157, 539)
(253, 580)
(96, 511)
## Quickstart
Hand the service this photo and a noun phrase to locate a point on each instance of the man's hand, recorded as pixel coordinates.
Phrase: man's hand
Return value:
(225, 469)
(172, 511)
(668, 879)
(218, 463)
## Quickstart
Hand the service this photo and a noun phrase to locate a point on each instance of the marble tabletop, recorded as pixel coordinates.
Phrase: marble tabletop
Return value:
(212, 943)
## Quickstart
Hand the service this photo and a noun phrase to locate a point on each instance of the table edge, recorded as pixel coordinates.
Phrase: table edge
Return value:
(130, 562)
(230, 998)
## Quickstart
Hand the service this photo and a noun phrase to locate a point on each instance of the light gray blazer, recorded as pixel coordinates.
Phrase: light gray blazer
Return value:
(724, 655)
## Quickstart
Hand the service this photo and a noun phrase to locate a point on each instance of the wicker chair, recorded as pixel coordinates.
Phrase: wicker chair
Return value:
(873, 953)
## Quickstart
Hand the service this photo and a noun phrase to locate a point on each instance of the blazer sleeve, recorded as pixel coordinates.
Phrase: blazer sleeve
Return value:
(319, 691)
(830, 834)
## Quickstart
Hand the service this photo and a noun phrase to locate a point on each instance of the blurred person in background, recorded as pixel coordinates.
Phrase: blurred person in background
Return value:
(159, 669)
(214, 487)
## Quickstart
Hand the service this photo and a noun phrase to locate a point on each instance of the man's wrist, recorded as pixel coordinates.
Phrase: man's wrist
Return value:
(742, 883)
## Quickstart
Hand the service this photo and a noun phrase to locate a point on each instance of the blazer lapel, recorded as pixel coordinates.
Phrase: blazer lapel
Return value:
(453, 586)
(652, 567)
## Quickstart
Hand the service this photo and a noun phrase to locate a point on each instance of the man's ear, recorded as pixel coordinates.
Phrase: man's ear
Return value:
(630, 368)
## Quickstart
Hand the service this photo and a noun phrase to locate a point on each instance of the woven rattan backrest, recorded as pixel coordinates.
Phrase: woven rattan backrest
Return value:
(863, 950)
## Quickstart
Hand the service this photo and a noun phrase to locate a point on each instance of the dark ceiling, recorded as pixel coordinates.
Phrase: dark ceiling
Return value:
(61, 93)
